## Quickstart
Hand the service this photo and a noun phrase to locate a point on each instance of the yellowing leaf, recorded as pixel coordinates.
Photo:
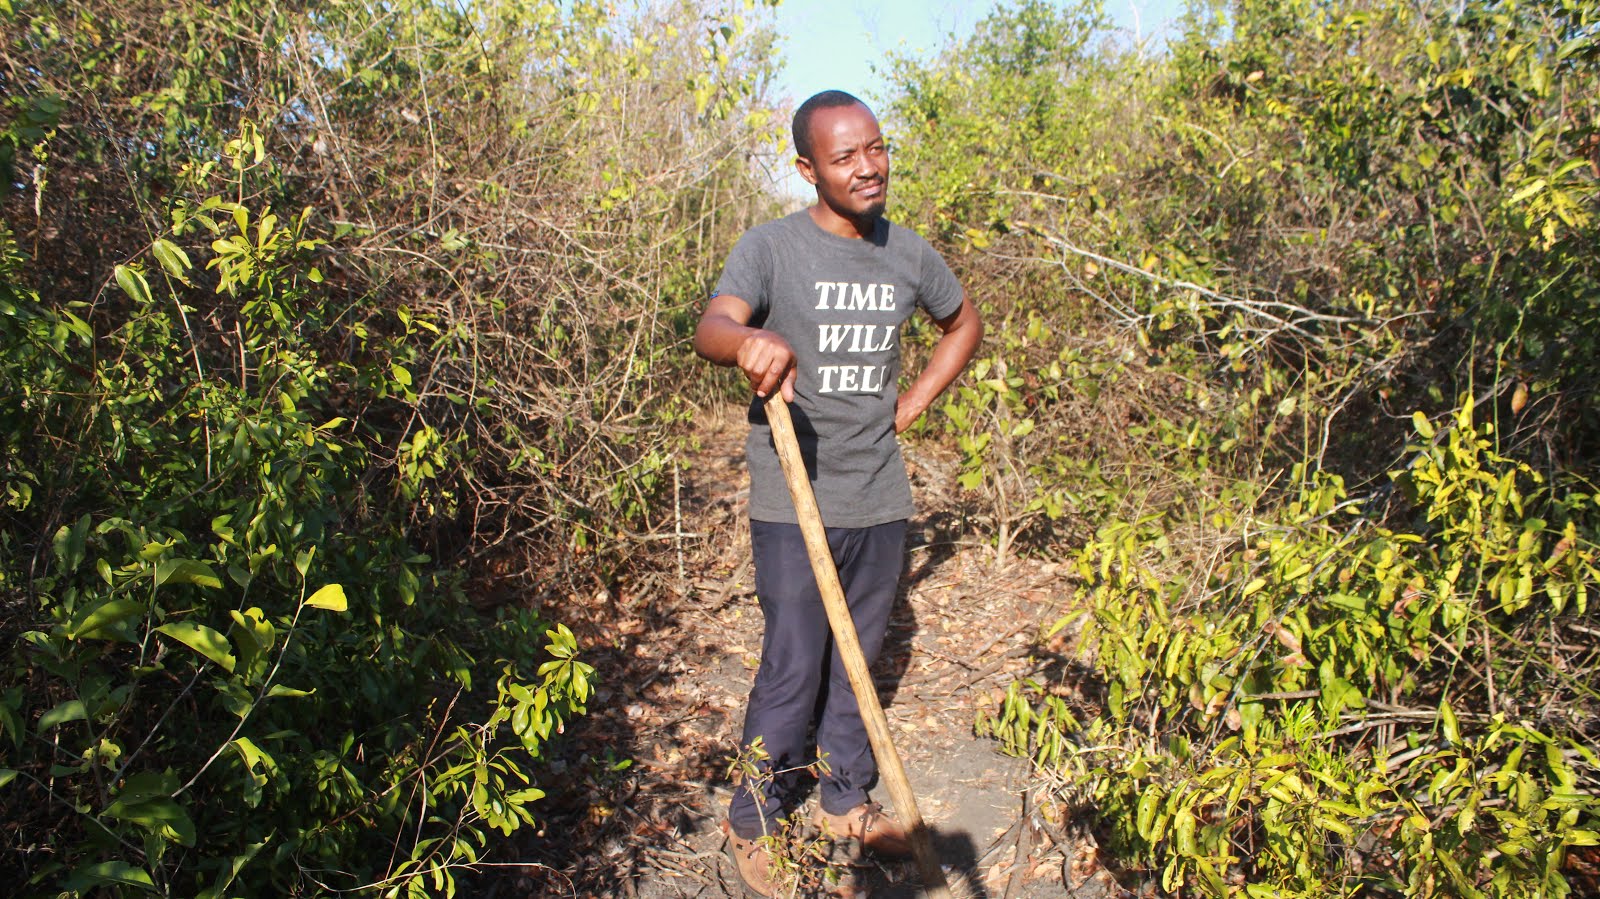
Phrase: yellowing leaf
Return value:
(279, 690)
(1528, 190)
(330, 597)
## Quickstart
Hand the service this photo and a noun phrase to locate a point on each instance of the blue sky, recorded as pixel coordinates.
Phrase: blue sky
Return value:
(834, 43)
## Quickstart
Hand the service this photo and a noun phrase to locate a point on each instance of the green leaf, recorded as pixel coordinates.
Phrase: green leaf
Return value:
(159, 814)
(1569, 167)
(290, 692)
(1348, 602)
(207, 641)
(146, 784)
(260, 767)
(330, 597)
(235, 698)
(7, 775)
(1339, 694)
(172, 258)
(1528, 190)
(69, 543)
(10, 715)
(252, 634)
(153, 550)
(186, 571)
(1423, 425)
(1458, 877)
(78, 326)
(1250, 715)
(227, 874)
(102, 623)
(71, 710)
(1447, 718)
(1576, 45)
(132, 283)
(113, 872)
(1144, 818)
(1334, 825)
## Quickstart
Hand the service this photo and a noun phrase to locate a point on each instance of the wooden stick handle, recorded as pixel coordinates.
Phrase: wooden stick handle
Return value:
(844, 635)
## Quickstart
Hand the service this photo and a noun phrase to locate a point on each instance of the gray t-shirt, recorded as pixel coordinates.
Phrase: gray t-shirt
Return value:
(839, 302)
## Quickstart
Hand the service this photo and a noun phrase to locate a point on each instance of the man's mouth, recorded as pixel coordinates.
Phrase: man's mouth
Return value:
(871, 189)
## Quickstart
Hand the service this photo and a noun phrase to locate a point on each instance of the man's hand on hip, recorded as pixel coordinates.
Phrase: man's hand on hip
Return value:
(907, 410)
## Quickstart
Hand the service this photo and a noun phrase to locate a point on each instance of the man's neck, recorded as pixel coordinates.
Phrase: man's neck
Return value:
(844, 226)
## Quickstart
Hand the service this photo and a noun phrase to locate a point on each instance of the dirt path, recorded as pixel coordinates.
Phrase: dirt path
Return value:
(678, 651)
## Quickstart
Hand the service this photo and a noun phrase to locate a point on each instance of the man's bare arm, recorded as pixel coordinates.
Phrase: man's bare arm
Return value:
(957, 344)
(724, 336)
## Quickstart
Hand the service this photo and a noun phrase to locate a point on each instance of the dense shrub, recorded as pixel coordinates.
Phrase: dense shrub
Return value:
(1333, 645)
(335, 341)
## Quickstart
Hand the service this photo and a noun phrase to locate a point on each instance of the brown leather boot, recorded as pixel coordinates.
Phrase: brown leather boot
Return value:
(752, 863)
(875, 828)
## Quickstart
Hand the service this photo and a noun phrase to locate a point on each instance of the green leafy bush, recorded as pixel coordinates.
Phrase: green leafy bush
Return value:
(1339, 704)
(339, 341)
(236, 681)
(1331, 647)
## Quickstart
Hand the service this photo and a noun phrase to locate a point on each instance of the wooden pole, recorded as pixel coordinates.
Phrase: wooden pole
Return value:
(844, 635)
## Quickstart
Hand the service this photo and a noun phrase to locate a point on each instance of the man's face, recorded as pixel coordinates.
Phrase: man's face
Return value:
(849, 161)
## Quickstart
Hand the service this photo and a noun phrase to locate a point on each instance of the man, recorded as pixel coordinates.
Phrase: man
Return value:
(811, 305)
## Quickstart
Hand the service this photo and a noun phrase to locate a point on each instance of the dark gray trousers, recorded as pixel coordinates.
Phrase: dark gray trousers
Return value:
(801, 676)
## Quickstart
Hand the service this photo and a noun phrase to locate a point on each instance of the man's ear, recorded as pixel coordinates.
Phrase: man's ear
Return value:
(804, 167)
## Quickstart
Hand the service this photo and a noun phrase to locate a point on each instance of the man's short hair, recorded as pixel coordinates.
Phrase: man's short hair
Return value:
(801, 127)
